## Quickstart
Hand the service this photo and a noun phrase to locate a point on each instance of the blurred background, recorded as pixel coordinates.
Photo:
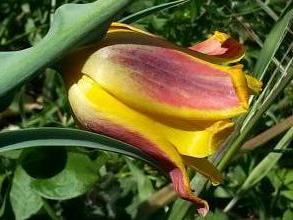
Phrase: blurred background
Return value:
(120, 184)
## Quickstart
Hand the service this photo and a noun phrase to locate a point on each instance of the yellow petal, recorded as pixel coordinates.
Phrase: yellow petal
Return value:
(200, 143)
(171, 102)
(254, 85)
(204, 167)
(99, 111)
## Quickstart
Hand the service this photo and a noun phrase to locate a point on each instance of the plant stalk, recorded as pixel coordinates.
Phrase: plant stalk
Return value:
(50, 211)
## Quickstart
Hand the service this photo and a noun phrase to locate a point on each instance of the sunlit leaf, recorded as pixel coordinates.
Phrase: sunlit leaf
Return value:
(262, 168)
(25, 202)
(73, 25)
(272, 44)
(79, 175)
(56, 137)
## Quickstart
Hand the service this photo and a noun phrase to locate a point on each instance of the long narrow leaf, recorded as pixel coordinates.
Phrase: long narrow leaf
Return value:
(40, 137)
(263, 168)
(234, 144)
(151, 10)
(272, 44)
(73, 25)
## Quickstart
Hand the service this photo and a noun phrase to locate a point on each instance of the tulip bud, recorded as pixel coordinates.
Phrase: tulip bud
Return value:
(175, 104)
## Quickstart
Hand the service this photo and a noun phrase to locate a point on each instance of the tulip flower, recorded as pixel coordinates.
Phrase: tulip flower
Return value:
(173, 103)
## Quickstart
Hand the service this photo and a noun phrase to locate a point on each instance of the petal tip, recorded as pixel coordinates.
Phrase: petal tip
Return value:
(203, 211)
(255, 86)
(221, 37)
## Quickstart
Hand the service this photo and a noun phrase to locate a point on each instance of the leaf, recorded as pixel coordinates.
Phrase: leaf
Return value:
(73, 25)
(179, 209)
(144, 185)
(288, 215)
(3, 194)
(195, 8)
(272, 44)
(235, 142)
(151, 10)
(24, 201)
(221, 192)
(38, 162)
(215, 216)
(79, 175)
(288, 182)
(262, 169)
(288, 194)
(42, 137)
(276, 177)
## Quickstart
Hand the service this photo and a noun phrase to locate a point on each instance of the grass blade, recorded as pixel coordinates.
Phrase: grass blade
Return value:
(262, 169)
(146, 12)
(271, 45)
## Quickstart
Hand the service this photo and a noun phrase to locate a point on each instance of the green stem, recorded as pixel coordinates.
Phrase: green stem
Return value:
(50, 211)
(255, 116)
(238, 138)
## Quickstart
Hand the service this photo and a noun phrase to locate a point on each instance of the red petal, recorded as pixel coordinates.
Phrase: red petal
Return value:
(229, 50)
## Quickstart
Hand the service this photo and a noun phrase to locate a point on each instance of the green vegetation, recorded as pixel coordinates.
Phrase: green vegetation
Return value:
(68, 181)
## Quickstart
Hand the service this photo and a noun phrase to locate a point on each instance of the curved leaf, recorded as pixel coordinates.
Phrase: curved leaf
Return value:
(271, 44)
(40, 137)
(24, 201)
(262, 169)
(78, 177)
(72, 26)
(151, 10)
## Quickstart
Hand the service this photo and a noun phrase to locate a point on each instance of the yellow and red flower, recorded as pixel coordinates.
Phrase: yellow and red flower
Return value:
(173, 103)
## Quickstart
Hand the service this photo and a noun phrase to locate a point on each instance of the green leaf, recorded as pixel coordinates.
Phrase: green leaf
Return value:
(195, 8)
(37, 162)
(288, 182)
(288, 194)
(73, 25)
(288, 215)
(3, 194)
(41, 137)
(151, 10)
(24, 201)
(262, 169)
(144, 185)
(217, 215)
(272, 44)
(179, 209)
(144, 188)
(79, 175)
(221, 192)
